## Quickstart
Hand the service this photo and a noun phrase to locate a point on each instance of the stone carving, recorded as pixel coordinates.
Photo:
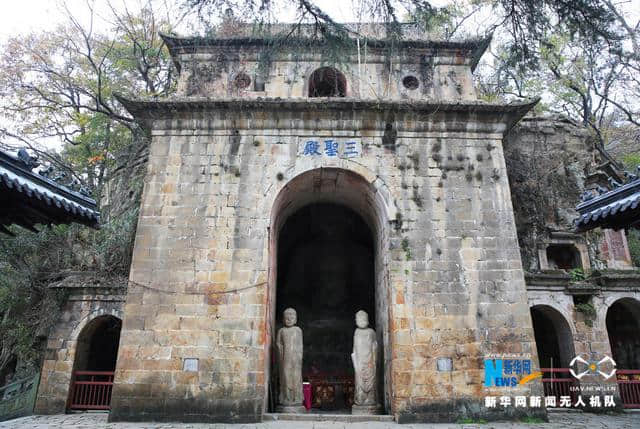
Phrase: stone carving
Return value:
(289, 345)
(364, 356)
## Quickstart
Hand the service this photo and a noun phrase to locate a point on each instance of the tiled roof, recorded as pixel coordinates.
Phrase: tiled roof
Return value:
(618, 208)
(27, 198)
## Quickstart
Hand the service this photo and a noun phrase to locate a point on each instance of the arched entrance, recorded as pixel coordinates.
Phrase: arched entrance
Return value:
(94, 364)
(554, 341)
(327, 247)
(327, 82)
(623, 327)
(554, 344)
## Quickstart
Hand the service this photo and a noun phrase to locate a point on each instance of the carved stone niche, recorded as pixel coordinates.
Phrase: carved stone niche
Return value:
(563, 251)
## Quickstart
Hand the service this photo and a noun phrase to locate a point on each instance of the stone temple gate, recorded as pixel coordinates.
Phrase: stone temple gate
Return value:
(370, 186)
(263, 194)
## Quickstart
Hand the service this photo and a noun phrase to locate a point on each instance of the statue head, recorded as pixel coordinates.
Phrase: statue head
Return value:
(290, 317)
(362, 319)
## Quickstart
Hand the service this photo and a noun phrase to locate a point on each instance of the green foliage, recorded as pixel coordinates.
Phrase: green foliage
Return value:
(30, 263)
(469, 420)
(589, 312)
(27, 306)
(631, 160)
(530, 419)
(60, 84)
(577, 275)
(532, 20)
(633, 240)
(406, 248)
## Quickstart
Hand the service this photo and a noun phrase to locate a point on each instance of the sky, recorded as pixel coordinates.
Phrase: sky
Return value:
(24, 16)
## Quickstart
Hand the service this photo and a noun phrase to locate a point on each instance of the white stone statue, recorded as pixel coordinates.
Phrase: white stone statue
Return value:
(289, 345)
(364, 356)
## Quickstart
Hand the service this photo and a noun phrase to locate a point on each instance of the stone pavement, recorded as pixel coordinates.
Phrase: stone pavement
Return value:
(99, 421)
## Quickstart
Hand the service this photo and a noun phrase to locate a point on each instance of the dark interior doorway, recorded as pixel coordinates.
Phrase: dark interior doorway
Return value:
(563, 257)
(623, 326)
(554, 341)
(94, 365)
(97, 348)
(326, 272)
(327, 82)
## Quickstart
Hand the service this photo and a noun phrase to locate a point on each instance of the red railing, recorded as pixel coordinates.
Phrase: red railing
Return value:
(331, 390)
(629, 387)
(559, 382)
(91, 390)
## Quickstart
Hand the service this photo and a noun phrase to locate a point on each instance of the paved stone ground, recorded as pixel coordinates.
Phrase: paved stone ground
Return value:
(99, 421)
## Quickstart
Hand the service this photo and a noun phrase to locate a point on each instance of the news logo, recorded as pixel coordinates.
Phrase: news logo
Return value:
(506, 372)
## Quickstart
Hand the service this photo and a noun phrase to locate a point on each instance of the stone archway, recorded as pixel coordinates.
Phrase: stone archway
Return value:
(623, 327)
(333, 212)
(95, 363)
(327, 82)
(554, 340)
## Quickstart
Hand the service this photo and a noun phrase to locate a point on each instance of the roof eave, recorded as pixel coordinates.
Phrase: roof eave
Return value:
(476, 47)
(150, 110)
(483, 45)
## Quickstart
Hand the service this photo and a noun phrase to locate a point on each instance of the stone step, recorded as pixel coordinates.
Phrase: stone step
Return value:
(321, 417)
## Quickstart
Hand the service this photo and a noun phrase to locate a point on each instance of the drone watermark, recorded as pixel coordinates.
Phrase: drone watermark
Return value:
(592, 367)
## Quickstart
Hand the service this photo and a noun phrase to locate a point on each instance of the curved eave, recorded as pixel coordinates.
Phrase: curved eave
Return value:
(26, 203)
(145, 110)
(619, 208)
(478, 52)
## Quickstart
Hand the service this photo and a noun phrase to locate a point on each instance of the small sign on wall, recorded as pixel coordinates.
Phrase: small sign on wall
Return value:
(444, 364)
(190, 365)
(330, 148)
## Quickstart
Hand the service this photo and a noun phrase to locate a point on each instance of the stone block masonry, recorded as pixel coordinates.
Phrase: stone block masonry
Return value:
(450, 281)
(61, 357)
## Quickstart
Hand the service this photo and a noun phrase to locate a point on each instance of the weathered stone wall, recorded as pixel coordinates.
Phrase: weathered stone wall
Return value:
(590, 339)
(547, 162)
(201, 277)
(551, 161)
(82, 306)
(443, 74)
(588, 336)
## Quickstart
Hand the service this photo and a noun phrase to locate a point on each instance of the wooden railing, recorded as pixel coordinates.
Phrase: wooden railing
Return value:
(18, 397)
(91, 390)
(559, 382)
(629, 387)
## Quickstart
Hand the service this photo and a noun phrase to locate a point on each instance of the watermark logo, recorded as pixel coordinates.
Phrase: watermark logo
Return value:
(507, 372)
(595, 367)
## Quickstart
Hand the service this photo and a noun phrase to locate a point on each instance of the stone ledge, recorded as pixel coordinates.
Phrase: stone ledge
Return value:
(144, 108)
(319, 417)
(606, 280)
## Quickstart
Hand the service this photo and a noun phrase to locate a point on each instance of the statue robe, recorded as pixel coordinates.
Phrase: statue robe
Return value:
(289, 343)
(364, 355)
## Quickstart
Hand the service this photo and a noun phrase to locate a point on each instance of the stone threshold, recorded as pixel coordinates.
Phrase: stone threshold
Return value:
(313, 417)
